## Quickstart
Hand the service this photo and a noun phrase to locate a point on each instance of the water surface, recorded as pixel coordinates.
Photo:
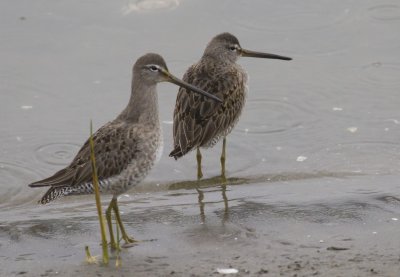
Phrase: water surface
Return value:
(313, 163)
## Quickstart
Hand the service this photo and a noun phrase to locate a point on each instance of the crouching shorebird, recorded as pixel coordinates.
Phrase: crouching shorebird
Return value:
(199, 122)
(125, 148)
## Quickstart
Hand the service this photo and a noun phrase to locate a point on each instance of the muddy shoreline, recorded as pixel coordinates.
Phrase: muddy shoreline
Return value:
(180, 236)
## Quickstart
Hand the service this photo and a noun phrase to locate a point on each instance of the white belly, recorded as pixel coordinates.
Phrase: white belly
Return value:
(160, 148)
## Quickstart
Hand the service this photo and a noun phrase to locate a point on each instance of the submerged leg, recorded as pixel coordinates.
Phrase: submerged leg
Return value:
(201, 205)
(226, 207)
(223, 158)
(109, 223)
(199, 172)
(125, 237)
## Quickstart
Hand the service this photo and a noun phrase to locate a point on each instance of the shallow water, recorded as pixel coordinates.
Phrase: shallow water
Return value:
(315, 153)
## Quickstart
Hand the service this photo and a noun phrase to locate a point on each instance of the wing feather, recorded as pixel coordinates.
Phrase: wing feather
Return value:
(200, 122)
(108, 161)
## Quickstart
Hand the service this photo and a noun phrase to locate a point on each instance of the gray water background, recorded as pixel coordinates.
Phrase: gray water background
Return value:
(318, 141)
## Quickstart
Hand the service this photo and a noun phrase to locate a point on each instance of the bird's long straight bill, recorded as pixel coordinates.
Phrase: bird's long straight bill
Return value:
(178, 82)
(254, 54)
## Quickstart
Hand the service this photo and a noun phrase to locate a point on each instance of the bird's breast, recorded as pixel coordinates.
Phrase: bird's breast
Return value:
(160, 147)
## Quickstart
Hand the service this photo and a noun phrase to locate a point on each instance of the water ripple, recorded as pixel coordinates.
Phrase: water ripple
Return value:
(60, 153)
(385, 12)
(12, 173)
(360, 78)
(281, 116)
(381, 74)
(360, 156)
(286, 15)
(13, 177)
(13, 81)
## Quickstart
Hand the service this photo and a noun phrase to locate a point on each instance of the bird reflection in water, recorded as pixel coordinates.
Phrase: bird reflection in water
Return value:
(200, 186)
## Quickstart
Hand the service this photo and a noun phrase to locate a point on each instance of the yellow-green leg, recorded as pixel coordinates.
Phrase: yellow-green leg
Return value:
(125, 236)
(113, 244)
(96, 188)
(223, 158)
(198, 157)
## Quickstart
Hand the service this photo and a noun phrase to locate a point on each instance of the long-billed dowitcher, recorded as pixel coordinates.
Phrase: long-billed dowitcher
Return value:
(125, 148)
(199, 122)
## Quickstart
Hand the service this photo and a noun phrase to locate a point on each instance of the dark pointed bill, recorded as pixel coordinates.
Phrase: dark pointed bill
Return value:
(171, 78)
(254, 54)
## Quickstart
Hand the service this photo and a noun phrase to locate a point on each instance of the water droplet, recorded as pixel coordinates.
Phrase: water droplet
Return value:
(337, 109)
(149, 5)
(227, 270)
(26, 107)
(301, 158)
(352, 129)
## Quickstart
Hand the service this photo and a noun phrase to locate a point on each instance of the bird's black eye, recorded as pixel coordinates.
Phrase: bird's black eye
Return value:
(233, 47)
(153, 68)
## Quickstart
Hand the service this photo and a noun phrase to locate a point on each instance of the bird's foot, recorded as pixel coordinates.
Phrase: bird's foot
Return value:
(199, 173)
(223, 178)
(129, 242)
(114, 246)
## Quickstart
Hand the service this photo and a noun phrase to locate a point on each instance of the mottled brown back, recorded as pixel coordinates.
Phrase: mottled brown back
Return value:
(200, 122)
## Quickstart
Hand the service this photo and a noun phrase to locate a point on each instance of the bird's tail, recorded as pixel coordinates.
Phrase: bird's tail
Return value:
(53, 193)
(176, 153)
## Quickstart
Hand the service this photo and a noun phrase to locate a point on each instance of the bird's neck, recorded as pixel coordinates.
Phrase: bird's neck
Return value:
(215, 56)
(213, 67)
(218, 62)
(142, 106)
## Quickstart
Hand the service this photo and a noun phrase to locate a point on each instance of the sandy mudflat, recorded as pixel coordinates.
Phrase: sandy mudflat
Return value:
(255, 234)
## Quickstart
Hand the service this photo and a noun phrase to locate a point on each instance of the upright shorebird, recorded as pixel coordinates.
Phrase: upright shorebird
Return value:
(125, 148)
(199, 122)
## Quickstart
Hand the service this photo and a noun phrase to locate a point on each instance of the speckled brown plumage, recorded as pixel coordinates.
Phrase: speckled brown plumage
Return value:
(199, 122)
(125, 148)
(124, 151)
